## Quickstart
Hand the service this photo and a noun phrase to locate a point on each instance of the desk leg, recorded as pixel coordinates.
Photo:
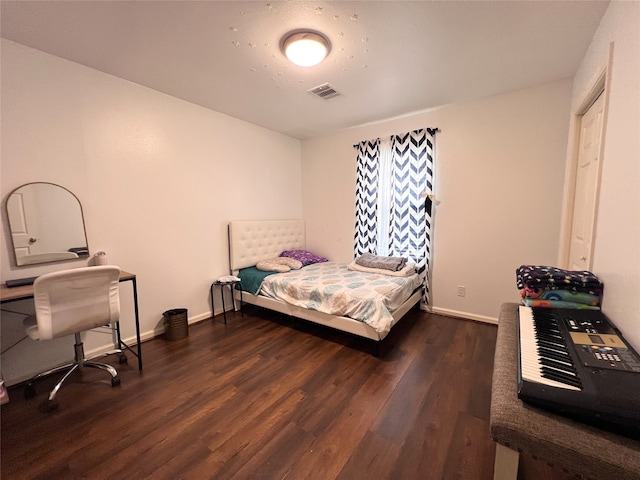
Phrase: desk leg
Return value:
(506, 463)
(135, 305)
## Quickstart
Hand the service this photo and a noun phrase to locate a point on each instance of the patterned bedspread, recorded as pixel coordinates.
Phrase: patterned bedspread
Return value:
(334, 289)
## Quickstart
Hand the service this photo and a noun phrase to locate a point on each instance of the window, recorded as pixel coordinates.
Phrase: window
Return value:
(394, 188)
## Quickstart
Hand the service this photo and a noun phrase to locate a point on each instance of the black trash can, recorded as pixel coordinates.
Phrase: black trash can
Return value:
(176, 325)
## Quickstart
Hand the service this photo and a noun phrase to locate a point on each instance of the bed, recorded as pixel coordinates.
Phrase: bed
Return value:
(253, 241)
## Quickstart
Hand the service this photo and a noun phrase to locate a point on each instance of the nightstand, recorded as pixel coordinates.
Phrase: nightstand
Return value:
(232, 287)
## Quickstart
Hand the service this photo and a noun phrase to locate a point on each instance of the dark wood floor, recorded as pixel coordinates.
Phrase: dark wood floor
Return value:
(262, 399)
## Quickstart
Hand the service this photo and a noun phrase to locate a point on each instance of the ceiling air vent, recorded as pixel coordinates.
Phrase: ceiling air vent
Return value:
(325, 91)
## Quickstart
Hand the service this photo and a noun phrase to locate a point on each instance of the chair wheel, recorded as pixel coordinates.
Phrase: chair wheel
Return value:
(52, 405)
(122, 358)
(115, 381)
(29, 391)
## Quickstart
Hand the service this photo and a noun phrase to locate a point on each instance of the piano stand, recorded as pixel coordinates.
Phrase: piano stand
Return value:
(517, 428)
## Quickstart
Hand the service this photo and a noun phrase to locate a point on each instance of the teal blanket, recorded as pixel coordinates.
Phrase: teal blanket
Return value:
(251, 279)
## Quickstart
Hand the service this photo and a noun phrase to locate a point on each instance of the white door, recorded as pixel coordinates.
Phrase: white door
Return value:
(24, 231)
(586, 189)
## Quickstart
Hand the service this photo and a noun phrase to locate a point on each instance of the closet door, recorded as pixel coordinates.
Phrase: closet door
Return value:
(585, 201)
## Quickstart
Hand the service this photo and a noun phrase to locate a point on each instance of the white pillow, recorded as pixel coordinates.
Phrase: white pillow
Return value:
(292, 263)
(278, 264)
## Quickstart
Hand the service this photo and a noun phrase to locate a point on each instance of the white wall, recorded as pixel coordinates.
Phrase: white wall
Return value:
(499, 177)
(158, 178)
(616, 256)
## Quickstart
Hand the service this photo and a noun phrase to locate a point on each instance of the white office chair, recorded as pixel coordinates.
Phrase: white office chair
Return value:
(70, 302)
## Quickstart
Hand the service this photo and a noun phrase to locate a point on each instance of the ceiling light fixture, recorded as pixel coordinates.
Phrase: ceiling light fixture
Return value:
(305, 48)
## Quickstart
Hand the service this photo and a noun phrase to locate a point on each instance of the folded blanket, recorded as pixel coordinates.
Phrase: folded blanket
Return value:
(553, 278)
(385, 263)
(534, 302)
(251, 279)
(560, 294)
(409, 269)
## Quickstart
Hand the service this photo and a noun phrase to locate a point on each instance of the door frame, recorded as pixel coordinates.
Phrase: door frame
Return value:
(599, 86)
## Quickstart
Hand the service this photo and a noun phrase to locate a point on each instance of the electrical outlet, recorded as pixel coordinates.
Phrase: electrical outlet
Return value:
(462, 290)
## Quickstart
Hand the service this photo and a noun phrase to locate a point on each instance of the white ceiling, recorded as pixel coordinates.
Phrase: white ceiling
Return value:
(388, 58)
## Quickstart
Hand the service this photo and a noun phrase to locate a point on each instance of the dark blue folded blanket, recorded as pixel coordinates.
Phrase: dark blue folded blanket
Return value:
(540, 276)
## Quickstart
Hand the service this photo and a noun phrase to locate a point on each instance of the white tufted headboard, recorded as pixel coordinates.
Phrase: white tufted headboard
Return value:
(253, 240)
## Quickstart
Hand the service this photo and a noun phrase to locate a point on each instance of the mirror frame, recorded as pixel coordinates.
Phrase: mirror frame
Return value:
(55, 260)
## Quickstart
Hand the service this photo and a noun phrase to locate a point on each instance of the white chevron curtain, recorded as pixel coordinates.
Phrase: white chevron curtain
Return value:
(394, 187)
(366, 238)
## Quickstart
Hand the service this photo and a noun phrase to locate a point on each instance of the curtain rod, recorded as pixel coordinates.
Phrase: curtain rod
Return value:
(432, 131)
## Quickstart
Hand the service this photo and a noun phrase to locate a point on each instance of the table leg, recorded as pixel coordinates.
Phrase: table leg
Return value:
(506, 463)
(135, 305)
(224, 310)
(213, 313)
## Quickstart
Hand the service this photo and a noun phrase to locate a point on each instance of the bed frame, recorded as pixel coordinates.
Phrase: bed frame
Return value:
(252, 241)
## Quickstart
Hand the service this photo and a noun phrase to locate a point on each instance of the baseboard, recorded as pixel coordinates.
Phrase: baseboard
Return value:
(144, 336)
(466, 315)
(201, 317)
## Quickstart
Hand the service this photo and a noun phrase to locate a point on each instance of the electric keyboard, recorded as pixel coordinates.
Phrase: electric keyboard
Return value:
(577, 364)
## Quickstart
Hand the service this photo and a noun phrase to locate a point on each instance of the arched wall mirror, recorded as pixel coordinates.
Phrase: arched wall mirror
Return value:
(46, 224)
